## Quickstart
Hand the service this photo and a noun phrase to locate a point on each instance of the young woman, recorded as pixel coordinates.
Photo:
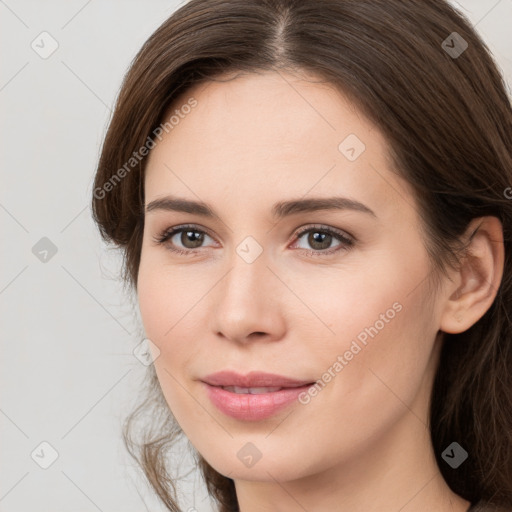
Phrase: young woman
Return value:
(313, 199)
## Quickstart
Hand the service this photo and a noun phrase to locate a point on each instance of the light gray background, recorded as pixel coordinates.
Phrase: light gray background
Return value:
(68, 375)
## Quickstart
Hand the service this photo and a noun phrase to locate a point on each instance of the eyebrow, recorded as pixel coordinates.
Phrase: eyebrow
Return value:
(279, 210)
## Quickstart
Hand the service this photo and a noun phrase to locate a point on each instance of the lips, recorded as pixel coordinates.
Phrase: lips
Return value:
(253, 380)
(255, 396)
(251, 391)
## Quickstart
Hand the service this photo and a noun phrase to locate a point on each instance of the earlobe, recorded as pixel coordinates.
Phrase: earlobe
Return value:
(474, 286)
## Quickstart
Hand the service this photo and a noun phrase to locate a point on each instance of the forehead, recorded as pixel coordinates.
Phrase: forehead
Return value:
(268, 134)
(270, 107)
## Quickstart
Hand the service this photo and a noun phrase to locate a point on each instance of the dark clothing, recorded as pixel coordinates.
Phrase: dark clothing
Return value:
(482, 506)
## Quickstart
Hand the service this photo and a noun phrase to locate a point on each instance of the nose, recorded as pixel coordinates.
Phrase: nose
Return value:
(248, 302)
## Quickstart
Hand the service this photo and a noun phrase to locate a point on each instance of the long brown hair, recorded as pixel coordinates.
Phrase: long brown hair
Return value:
(419, 71)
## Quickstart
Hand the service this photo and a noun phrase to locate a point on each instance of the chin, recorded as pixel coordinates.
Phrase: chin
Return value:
(259, 460)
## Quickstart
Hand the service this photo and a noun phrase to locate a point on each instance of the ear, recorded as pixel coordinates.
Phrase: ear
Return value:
(474, 286)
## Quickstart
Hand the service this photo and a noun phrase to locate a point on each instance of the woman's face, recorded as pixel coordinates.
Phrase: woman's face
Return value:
(271, 283)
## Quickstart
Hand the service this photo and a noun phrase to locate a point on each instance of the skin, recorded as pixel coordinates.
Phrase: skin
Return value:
(361, 444)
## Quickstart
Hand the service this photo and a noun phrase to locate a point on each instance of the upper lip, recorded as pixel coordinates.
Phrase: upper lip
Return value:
(253, 379)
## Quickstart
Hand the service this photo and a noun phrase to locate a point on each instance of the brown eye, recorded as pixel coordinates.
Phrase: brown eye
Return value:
(182, 240)
(320, 239)
(191, 239)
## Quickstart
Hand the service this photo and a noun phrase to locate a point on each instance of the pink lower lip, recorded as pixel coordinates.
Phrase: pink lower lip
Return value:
(253, 407)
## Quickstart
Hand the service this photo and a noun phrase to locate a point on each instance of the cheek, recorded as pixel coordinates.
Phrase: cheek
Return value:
(369, 295)
(166, 299)
(155, 301)
(378, 320)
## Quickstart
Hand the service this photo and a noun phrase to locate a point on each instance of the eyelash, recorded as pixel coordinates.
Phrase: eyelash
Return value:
(346, 242)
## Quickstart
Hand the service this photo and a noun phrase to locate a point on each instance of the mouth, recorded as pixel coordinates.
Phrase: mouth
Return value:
(253, 381)
(250, 391)
(255, 396)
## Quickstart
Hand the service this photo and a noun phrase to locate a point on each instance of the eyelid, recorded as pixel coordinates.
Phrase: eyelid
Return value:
(165, 234)
(322, 227)
(346, 239)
